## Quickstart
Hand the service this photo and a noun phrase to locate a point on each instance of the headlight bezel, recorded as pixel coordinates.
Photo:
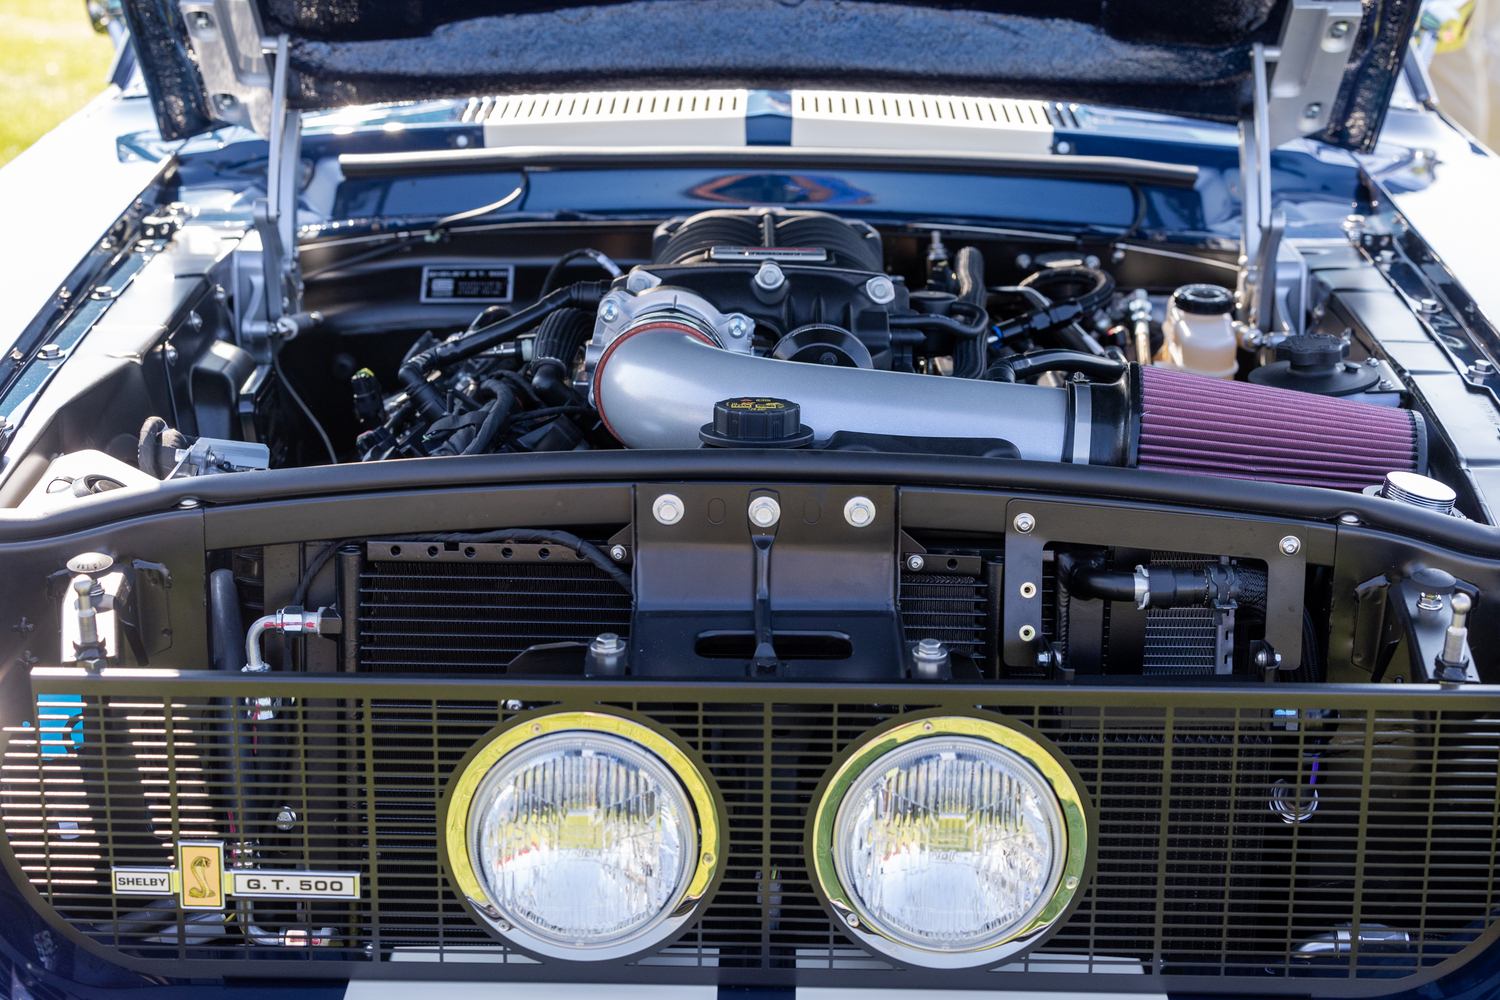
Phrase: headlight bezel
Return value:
(1055, 771)
(523, 730)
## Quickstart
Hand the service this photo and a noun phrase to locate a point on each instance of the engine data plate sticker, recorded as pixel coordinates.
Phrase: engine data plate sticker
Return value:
(288, 884)
(468, 284)
(143, 881)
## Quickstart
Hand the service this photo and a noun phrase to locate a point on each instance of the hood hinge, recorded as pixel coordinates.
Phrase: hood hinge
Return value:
(1295, 85)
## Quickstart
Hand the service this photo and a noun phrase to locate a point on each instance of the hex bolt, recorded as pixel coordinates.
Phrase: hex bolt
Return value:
(915, 563)
(881, 290)
(286, 819)
(1338, 29)
(617, 553)
(667, 508)
(1290, 545)
(764, 512)
(49, 352)
(859, 512)
(770, 276)
(607, 644)
(1430, 306)
(738, 327)
(1024, 523)
(1482, 367)
(609, 310)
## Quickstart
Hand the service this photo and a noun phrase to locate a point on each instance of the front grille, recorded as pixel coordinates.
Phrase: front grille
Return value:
(475, 617)
(1199, 883)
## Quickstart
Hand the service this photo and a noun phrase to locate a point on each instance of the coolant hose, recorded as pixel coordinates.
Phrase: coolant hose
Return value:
(1020, 367)
(969, 352)
(225, 621)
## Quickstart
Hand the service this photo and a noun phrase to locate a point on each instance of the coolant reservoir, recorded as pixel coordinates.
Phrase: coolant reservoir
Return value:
(1199, 331)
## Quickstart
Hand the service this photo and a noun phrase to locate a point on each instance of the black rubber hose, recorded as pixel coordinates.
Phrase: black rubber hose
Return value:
(224, 619)
(969, 352)
(1171, 587)
(413, 371)
(1087, 287)
(1020, 367)
(555, 271)
(146, 445)
(495, 420)
(941, 324)
(561, 335)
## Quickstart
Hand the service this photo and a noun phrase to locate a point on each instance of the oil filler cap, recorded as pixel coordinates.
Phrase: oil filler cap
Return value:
(756, 422)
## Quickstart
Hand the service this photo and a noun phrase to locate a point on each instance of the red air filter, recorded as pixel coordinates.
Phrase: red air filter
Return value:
(1214, 427)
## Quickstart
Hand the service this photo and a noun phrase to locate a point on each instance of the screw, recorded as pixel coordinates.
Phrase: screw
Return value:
(708, 857)
(1385, 383)
(764, 511)
(927, 727)
(1023, 261)
(188, 504)
(881, 290)
(770, 276)
(1348, 519)
(1338, 29)
(1430, 306)
(617, 553)
(102, 292)
(1482, 367)
(859, 512)
(202, 21)
(1065, 148)
(1028, 590)
(668, 508)
(1291, 545)
(1024, 523)
(1313, 110)
(852, 920)
(1091, 261)
(286, 819)
(1027, 633)
(536, 729)
(738, 327)
(49, 352)
(513, 705)
(225, 102)
(915, 563)
(609, 310)
(607, 643)
(1072, 882)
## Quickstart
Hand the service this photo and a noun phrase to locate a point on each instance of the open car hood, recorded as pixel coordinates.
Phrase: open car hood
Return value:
(1335, 61)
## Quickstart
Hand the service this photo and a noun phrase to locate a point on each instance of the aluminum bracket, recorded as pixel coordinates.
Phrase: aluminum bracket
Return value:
(226, 40)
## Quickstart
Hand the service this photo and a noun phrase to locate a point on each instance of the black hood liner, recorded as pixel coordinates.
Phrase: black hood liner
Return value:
(1183, 57)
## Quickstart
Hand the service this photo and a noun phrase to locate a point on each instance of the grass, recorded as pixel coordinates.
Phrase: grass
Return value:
(51, 63)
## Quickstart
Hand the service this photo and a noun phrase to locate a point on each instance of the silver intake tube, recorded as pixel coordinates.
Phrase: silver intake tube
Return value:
(657, 384)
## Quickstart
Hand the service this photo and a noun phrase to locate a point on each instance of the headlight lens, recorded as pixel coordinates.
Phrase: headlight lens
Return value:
(950, 842)
(582, 840)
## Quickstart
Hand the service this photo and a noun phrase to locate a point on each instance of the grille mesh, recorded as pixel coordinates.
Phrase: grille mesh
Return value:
(476, 617)
(1197, 881)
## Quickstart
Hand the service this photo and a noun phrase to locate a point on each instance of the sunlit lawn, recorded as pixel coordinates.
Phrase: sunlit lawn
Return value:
(51, 63)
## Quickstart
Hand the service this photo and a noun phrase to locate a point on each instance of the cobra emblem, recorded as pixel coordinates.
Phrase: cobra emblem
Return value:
(202, 890)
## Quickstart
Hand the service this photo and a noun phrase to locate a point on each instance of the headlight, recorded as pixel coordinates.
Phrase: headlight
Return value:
(950, 842)
(583, 836)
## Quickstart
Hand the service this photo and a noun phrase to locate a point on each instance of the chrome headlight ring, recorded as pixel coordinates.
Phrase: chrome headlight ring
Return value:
(530, 736)
(1003, 743)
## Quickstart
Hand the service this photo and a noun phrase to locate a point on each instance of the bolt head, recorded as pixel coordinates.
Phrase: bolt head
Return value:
(1065, 148)
(915, 563)
(764, 512)
(1386, 383)
(738, 327)
(1023, 261)
(1290, 545)
(285, 820)
(881, 290)
(770, 276)
(202, 21)
(859, 512)
(667, 508)
(1024, 523)
(1338, 29)
(617, 553)
(1091, 261)
(1313, 110)
(609, 310)
(49, 352)
(1430, 306)
(1350, 519)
